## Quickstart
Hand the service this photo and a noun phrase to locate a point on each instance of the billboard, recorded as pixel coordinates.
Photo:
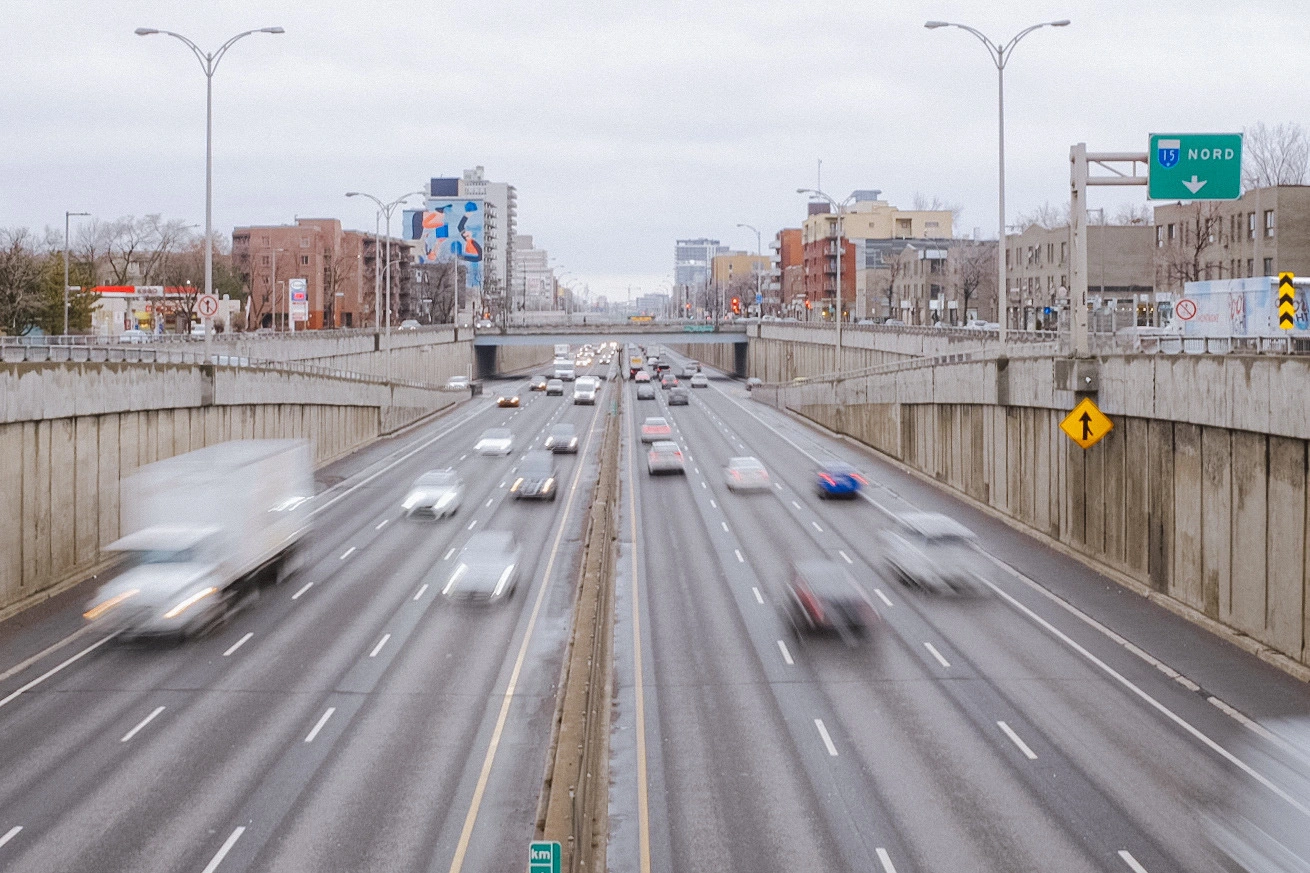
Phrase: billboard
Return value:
(450, 229)
(299, 291)
(1237, 307)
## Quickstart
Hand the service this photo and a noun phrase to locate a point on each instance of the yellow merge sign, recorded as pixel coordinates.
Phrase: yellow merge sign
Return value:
(1086, 424)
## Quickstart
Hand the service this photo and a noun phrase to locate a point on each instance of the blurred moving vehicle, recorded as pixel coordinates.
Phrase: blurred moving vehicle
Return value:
(746, 474)
(654, 428)
(700, 380)
(538, 383)
(564, 370)
(646, 391)
(678, 396)
(510, 401)
(584, 390)
(408, 324)
(561, 350)
(486, 569)
(435, 494)
(458, 383)
(641, 376)
(201, 530)
(536, 477)
(563, 437)
(635, 364)
(823, 598)
(934, 552)
(496, 441)
(665, 457)
(753, 382)
(555, 388)
(691, 368)
(839, 480)
(668, 380)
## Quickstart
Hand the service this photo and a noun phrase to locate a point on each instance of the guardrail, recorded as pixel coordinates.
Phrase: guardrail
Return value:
(96, 340)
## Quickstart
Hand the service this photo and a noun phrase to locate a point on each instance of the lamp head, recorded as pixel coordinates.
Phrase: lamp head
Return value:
(1063, 22)
(352, 193)
(271, 30)
(145, 31)
(933, 25)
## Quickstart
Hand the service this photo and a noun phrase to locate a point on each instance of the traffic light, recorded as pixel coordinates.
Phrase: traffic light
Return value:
(808, 305)
(736, 305)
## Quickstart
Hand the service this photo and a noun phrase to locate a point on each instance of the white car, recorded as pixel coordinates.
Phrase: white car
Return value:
(408, 324)
(584, 390)
(457, 383)
(932, 551)
(496, 441)
(700, 380)
(133, 335)
(486, 570)
(435, 494)
(665, 457)
(746, 474)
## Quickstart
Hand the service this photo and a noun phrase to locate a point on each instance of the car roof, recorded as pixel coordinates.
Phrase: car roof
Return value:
(745, 461)
(537, 460)
(438, 477)
(934, 525)
(488, 546)
(654, 420)
(563, 427)
(664, 446)
(827, 578)
(838, 467)
(498, 433)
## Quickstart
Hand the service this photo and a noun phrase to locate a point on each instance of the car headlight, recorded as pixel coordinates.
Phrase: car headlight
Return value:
(101, 608)
(573, 442)
(504, 578)
(189, 602)
(410, 502)
(517, 483)
(548, 485)
(550, 441)
(445, 498)
(454, 577)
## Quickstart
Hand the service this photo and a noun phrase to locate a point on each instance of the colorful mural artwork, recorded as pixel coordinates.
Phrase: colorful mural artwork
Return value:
(449, 229)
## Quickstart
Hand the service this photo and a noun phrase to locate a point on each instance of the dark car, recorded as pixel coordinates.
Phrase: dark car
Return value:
(679, 396)
(823, 598)
(563, 437)
(538, 383)
(668, 380)
(486, 569)
(536, 477)
(839, 480)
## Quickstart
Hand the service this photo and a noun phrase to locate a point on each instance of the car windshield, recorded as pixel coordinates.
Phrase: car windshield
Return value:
(497, 433)
(655, 423)
(437, 477)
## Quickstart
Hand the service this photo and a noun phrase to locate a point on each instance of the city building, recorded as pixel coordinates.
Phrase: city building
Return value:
(785, 287)
(656, 305)
(932, 281)
(740, 275)
(534, 288)
(1120, 274)
(867, 217)
(691, 271)
(337, 266)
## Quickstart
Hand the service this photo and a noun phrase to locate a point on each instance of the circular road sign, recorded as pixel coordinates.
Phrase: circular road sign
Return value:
(1185, 309)
(207, 305)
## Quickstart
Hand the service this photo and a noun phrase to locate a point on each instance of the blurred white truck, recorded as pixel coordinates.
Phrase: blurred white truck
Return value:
(201, 531)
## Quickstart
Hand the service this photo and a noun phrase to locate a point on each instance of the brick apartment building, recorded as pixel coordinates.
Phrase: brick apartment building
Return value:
(786, 280)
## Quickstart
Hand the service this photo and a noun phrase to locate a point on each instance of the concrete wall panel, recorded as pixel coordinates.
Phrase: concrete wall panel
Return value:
(1285, 543)
(1249, 530)
(1185, 583)
(1217, 523)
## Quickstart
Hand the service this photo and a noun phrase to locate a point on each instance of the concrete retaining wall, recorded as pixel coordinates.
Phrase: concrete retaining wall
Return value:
(1198, 493)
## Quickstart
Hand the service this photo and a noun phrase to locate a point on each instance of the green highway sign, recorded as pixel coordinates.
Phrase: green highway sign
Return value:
(1195, 166)
(698, 328)
(544, 857)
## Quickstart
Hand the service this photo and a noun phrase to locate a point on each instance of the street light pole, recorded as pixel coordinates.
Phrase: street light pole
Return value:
(1000, 55)
(386, 209)
(841, 212)
(759, 253)
(208, 63)
(67, 215)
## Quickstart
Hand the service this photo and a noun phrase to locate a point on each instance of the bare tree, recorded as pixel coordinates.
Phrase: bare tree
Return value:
(895, 267)
(923, 203)
(1277, 155)
(1046, 215)
(21, 268)
(971, 268)
(1132, 213)
(1185, 259)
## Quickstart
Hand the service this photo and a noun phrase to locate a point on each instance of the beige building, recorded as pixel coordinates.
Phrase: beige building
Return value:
(1264, 233)
(868, 217)
(1120, 273)
(947, 281)
(740, 274)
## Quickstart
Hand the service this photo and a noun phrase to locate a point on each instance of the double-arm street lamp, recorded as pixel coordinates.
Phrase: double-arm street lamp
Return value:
(208, 63)
(841, 212)
(386, 209)
(1000, 54)
(67, 216)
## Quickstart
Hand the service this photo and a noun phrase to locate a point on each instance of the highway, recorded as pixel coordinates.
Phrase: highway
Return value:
(1057, 722)
(351, 719)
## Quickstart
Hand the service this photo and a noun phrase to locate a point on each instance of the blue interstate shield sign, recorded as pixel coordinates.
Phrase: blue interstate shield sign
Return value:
(1167, 152)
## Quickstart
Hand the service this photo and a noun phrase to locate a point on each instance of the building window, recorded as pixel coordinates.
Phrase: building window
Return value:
(304, 260)
(1063, 251)
(1159, 237)
(1250, 225)
(1050, 253)
(1269, 266)
(304, 242)
(1172, 234)
(1269, 224)
(264, 259)
(1250, 267)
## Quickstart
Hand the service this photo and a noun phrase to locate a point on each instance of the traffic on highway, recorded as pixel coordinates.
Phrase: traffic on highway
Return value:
(820, 662)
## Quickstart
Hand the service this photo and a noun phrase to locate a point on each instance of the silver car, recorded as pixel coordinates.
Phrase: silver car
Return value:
(486, 569)
(665, 457)
(435, 494)
(746, 474)
(700, 380)
(934, 552)
(496, 441)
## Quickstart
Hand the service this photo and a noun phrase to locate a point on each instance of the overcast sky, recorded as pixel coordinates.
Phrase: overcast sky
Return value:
(624, 125)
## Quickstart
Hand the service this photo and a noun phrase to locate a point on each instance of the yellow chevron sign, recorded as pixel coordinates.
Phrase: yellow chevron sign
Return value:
(1286, 301)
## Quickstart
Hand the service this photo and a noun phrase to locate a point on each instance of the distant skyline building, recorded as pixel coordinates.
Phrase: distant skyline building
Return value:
(692, 259)
(534, 284)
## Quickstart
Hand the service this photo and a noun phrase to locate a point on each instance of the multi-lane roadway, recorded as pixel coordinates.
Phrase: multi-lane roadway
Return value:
(354, 720)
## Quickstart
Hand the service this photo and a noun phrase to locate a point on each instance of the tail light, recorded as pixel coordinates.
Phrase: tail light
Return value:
(811, 604)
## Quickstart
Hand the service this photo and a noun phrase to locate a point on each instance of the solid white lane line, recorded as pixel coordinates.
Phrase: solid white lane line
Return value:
(827, 740)
(222, 852)
(845, 557)
(758, 597)
(740, 559)
(795, 504)
(816, 526)
(448, 554)
(471, 523)
(786, 655)
(421, 590)
(53, 670)
(145, 721)
(382, 524)
(303, 589)
(1131, 861)
(13, 832)
(382, 642)
(1014, 738)
(885, 860)
(881, 596)
(347, 553)
(318, 726)
(725, 525)
(936, 654)
(239, 643)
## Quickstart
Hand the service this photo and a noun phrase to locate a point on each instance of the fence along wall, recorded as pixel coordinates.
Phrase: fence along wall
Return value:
(1208, 514)
(61, 461)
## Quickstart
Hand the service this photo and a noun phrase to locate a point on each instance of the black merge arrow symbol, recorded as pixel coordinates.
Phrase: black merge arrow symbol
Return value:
(1086, 419)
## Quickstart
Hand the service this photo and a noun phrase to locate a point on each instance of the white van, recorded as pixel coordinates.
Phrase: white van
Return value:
(564, 370)
(584, 390)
